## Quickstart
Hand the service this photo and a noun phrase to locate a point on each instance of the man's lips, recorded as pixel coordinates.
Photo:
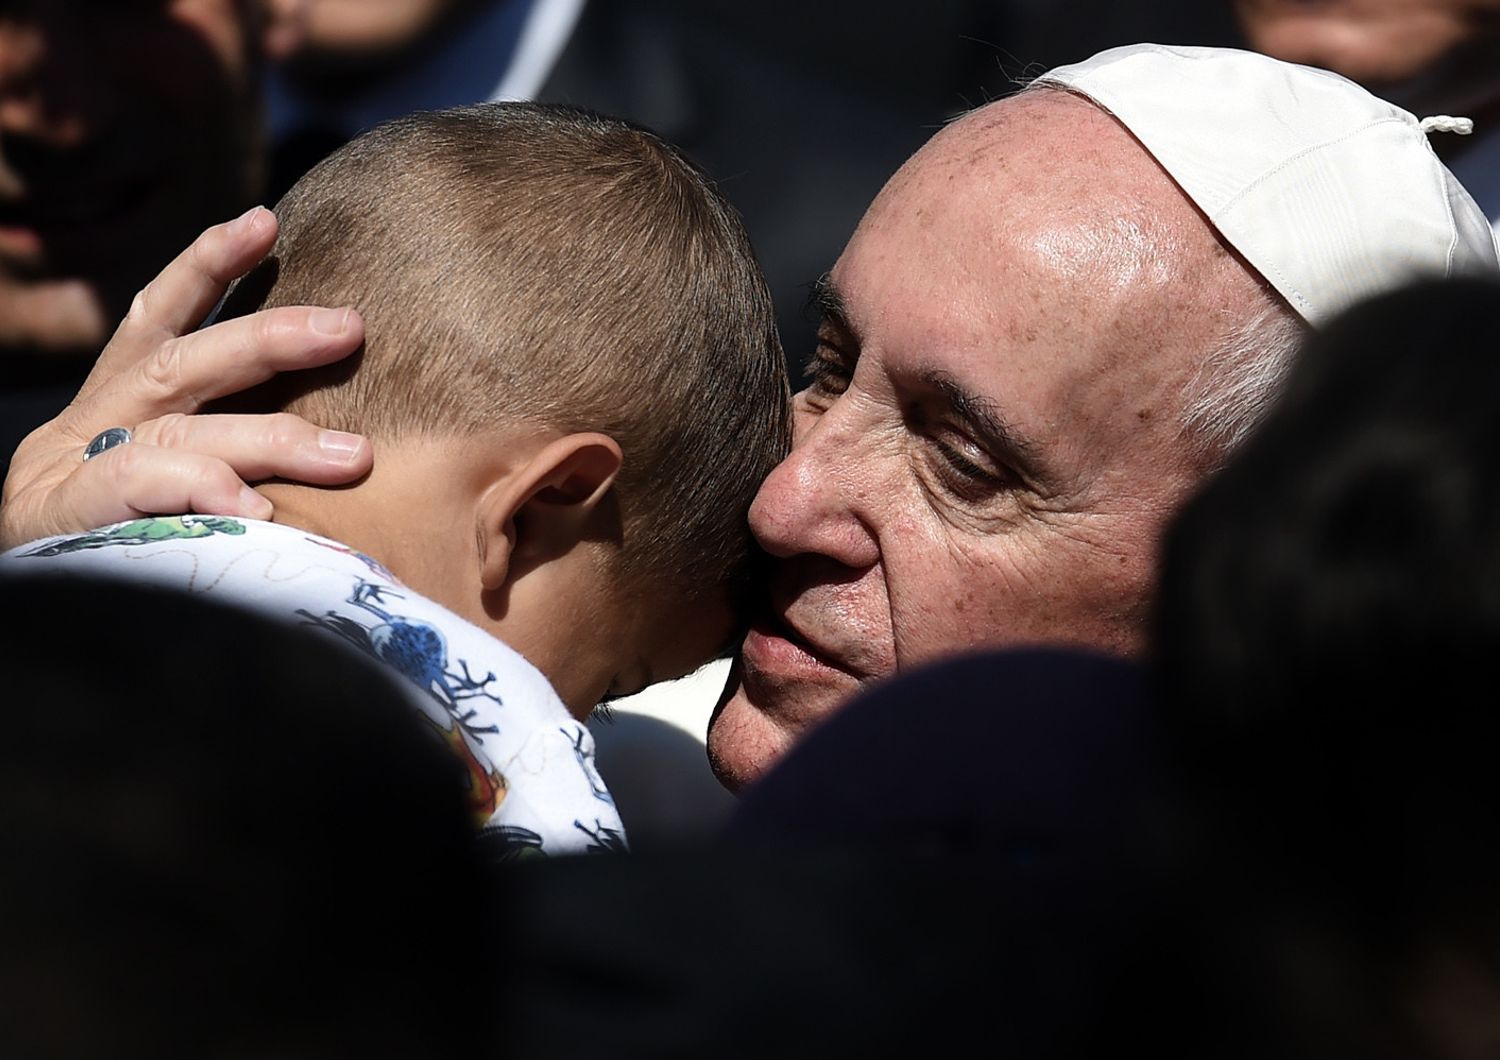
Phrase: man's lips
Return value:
(773, 647)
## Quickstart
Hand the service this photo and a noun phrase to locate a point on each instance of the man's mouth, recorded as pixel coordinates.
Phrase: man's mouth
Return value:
(774, 646)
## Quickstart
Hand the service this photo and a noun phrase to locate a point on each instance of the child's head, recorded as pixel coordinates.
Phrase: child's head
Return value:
(531, 277)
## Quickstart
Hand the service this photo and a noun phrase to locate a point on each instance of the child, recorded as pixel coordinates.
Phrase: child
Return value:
(573, 386)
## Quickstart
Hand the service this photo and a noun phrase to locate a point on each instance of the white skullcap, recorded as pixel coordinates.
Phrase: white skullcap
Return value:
(1332, 194)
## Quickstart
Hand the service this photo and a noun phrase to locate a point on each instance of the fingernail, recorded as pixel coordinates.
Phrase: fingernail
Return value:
(246, 221)
(330, 321)
(253, 505)
(337, 444)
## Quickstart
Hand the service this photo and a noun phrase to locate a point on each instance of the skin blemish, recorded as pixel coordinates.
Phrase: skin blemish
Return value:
(1020, 333)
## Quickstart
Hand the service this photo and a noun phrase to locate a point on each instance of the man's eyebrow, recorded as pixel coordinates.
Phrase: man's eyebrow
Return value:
(825, 302)
(979, 416)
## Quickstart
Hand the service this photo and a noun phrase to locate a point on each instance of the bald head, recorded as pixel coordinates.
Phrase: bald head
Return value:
(1109, 250)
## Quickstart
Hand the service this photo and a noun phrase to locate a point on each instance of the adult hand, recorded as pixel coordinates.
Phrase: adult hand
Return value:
(155, 375)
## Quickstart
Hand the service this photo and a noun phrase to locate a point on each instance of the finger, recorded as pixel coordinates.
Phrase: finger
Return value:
(185, 373)
(261, 447)
(134, 480)
(186, 290)
(182, 295)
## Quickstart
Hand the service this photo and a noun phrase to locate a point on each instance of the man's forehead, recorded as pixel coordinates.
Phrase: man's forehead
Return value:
(1046, 162)
(1043, 127)
(996, 233)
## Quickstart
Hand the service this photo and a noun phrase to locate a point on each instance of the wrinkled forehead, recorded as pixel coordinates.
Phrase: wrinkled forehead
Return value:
(1047, 162)
(1040, 206)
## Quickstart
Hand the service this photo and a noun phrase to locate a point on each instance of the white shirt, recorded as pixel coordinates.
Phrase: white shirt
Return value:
(531, 764)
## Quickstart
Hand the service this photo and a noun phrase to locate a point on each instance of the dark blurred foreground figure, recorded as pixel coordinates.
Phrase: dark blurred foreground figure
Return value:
(248, 849)
(1328, 625)
(963, 855)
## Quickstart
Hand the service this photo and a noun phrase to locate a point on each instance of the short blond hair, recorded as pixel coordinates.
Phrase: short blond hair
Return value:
(525, 262)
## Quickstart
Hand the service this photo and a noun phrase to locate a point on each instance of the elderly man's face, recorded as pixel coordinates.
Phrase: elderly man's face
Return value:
(124, 128)
(991, 443)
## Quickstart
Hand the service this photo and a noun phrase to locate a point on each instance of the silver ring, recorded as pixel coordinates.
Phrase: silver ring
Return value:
(106, 440)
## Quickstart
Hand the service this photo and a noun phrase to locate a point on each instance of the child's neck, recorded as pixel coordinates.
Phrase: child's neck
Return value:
(335, 514)
(408, 513)
(419, 512)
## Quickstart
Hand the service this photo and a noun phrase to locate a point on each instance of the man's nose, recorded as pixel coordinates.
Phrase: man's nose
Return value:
(818, 500)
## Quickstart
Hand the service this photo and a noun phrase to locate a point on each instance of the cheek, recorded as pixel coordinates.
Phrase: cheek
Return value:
(1037, 584)
(933, 584)
(369, 25)
(941, 598)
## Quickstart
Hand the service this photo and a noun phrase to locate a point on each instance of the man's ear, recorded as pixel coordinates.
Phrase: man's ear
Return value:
(544, 508)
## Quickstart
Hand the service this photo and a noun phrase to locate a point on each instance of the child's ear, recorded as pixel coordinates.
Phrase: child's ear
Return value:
(544, 508)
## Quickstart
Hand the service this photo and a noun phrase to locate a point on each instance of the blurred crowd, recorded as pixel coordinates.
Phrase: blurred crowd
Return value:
(125, 129)
(1268, 835)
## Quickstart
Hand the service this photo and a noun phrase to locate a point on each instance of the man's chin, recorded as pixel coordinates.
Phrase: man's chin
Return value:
(742, 742)
(757, 722)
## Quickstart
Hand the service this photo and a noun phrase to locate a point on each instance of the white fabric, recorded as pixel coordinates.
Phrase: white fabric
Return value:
(548, 29)
(1332, 194)
(489, 704)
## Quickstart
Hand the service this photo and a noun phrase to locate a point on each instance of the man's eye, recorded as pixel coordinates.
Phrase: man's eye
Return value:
(827, 373)
(963, 476)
